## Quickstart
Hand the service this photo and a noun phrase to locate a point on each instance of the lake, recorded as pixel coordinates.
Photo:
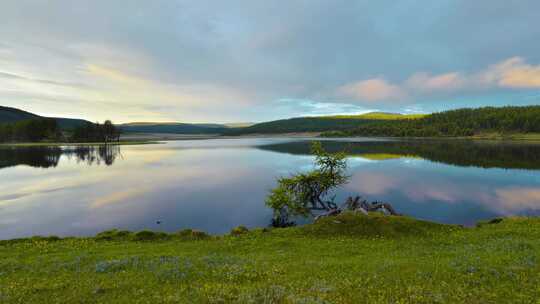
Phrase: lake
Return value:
(214, 185)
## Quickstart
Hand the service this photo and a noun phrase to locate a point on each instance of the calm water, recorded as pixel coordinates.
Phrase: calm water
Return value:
(214, 185)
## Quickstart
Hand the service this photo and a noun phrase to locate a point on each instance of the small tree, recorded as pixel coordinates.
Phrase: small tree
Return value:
(303, 193)
(110, 132)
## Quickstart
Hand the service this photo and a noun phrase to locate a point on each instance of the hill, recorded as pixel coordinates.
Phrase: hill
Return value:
(318, 123)
(454, 123)
(12, 115)
(173, 128)
(9, 115)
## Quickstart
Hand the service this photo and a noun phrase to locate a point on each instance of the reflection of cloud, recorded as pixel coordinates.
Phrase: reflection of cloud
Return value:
(423, 189)
(434, 192)
(117, 197)
(43, 187)
(373, 183)
(146, 157)
(413, 187)
(517, 198)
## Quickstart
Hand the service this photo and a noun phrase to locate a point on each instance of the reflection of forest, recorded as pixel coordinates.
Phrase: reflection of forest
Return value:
(454, 152)
(46, 157)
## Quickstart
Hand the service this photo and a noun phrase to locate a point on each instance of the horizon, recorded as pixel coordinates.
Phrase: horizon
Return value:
(209, 62)
(257, 122)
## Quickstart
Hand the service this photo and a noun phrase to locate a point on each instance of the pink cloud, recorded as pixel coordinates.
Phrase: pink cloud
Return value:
(375, 89)
(514, 73)
(428, 82)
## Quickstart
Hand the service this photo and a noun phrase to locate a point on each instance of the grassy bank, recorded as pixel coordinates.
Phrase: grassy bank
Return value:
(345, 259)
(509, 136)
(529, 137)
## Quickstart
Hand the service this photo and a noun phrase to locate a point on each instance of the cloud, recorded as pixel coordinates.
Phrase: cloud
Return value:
(10, 76)
(227, 59)
(430, 83)
(512, 73)
(372, 90)
(307, 107)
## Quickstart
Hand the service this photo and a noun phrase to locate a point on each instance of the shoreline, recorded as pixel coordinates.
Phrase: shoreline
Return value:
(165, 235)
(317, 135)
(157, 138)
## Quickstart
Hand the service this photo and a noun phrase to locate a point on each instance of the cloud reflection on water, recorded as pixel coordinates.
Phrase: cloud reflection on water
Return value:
(218, 184)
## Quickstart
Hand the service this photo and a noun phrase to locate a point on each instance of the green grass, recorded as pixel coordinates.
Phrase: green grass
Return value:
(345, 259)
(508, 136)
(380, 116)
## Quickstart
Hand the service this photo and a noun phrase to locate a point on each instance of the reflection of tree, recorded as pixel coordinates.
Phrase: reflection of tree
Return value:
(39, 157)
(46, 157)
(454, 152)
(105, 154)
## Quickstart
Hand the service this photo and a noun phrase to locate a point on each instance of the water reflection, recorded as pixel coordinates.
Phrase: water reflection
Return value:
(215, 185)
(47, 157)
(38, 157)
(482, 154)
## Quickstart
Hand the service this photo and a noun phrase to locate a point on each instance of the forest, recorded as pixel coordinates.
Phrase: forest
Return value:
(32, 130)
(49, 130)
(96, 132)
(318, 124)
(454, 123)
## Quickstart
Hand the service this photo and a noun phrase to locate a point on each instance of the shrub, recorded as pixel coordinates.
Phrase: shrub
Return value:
(259, 230)
(147, 235)
(239, 230)
(113, 234)
(52, 238)
(192, 234)
(198, 234)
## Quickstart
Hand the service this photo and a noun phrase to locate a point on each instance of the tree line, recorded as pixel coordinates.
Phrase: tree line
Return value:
(32, 130)
(96, 132)
(48, 130)
(461, 122)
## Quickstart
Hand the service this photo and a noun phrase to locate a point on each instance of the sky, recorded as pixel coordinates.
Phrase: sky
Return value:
(250, 61)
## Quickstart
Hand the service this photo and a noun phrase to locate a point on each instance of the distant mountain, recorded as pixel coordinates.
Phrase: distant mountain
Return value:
(10, 115)
(172, 128)
(318, 123)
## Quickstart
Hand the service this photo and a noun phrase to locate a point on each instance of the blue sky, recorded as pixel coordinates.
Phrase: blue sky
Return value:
(235, 61)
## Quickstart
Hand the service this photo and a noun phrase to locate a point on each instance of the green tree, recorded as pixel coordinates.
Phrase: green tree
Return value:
(303, 193)
(96, 132)
(110, 132)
